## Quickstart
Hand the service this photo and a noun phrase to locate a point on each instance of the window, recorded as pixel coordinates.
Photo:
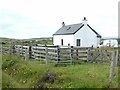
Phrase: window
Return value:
(62, 42)
(78, 42)
(68, 28)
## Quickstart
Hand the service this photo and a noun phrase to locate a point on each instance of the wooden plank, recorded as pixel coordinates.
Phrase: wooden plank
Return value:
(113, 62)
(79, 52)
(40, 52)
(82, 57)
(52, 53)
(64, 53)
(117, 57)
(65, 61)
(38, 48)
(65, 56)
(53, 57)
(49, 48)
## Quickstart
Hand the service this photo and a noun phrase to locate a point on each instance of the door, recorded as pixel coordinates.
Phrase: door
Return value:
(62, 42)
(78, 42)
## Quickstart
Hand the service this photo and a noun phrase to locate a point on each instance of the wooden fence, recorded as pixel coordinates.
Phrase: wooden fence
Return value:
(7, 49)
(68, 54)
(105, 56)
(65, 54)
(53, 53)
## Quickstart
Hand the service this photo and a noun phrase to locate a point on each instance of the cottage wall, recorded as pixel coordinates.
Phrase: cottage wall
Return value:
(67, 39)
(86, 36)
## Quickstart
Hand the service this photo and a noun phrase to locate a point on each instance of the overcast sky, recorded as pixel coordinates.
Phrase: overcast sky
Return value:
(42, 18)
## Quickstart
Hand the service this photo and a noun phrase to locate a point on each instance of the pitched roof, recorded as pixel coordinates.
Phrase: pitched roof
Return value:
(72, 29)
(69, 29)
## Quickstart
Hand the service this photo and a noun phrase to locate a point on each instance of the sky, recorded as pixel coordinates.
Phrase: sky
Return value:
(23, 19)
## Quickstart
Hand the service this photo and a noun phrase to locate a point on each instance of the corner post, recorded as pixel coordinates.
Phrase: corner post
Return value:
(113, 62)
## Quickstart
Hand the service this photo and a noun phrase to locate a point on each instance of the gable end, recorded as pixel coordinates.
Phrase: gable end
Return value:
(98, 35)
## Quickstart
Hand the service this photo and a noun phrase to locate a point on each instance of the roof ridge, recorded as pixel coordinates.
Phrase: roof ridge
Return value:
(74, 24)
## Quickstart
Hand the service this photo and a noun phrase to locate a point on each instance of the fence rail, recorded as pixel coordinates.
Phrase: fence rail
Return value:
(62, 53)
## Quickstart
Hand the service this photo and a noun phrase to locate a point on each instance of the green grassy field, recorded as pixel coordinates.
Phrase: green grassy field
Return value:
(16, 73)
(32, 41)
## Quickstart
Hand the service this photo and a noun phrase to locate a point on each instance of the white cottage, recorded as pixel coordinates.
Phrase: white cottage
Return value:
(80, 34)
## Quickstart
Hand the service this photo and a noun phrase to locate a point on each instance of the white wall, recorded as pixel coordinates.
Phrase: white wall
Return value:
(67, 39)
(87, 36)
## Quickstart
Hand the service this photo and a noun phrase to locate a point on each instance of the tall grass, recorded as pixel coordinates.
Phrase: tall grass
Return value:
(17, 73)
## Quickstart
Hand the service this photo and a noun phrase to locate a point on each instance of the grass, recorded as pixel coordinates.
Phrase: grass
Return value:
(0, 78)
(20, 74)
(10, 42)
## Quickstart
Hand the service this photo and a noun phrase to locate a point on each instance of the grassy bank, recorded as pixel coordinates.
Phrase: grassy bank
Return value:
(32, 74)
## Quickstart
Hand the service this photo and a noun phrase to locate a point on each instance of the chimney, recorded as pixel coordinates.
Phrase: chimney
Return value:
(63, 24)
(84, 21)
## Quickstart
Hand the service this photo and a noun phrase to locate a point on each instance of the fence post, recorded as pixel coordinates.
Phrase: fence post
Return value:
(13, 48)
(26, 55)
(30, 52)
(58, 54)
(18, 51)
(1, 50)
(71, 53)
(77, 54)
(118, 64)
(10, 50)
(113, 62)
(46, 50)
(89, 54)
(22, 50)
(117, 57)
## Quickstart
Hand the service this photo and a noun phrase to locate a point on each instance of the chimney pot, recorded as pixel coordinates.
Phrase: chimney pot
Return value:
(85, 18)
(63, 24)
(84, 21)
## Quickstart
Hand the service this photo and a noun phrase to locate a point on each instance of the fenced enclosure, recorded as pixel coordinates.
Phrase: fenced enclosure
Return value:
(56, 54)
(63, 54)
(66, 54)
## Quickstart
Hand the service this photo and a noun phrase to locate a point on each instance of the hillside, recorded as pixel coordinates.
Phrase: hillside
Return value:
(31, 41)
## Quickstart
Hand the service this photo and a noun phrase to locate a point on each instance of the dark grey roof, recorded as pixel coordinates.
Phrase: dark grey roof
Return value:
(69, 29)
(72, 29)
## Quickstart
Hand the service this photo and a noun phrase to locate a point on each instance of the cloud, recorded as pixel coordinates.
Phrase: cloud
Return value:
(17, 26)
(38, 18)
